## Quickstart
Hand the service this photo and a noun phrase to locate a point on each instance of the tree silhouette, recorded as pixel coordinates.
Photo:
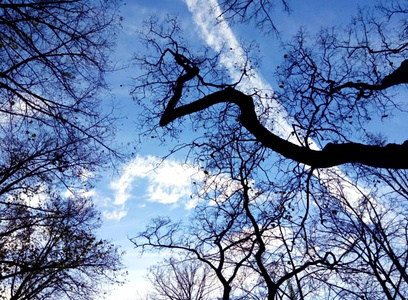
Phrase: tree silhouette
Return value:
(315, 212)
(54, 55)
(52, 252)
(180, 279)
(54, 137)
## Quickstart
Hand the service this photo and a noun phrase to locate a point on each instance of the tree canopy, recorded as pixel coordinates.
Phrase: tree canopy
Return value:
(55, 135)
(316, 211)
(52, 252)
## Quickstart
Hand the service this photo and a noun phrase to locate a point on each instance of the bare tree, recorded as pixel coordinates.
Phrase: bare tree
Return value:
(191, 86)
(315, 213)
(207, 239)
(54, 55)
(260, 12)
(177, 279)
(54, 136)
(243, 232)
(52, 252)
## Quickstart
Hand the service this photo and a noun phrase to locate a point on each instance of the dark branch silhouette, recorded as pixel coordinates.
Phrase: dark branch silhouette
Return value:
(392, 156)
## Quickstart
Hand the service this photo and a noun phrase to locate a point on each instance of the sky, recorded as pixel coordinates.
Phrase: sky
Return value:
(146, 187)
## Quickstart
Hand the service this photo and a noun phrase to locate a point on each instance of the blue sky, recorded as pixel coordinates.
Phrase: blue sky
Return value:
(129, 198)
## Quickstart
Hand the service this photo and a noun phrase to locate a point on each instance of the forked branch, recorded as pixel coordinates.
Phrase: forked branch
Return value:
(392, 156)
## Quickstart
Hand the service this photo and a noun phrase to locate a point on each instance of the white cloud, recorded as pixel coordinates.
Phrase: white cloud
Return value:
(138, 167)
(115, 214)
(171, 181)
(167, 181)
(149, 178)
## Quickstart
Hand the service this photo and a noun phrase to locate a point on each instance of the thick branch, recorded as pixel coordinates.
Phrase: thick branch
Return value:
(398, 76)
(391, 156)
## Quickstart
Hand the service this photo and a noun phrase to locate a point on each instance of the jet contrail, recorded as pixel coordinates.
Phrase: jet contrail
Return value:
(217, 34)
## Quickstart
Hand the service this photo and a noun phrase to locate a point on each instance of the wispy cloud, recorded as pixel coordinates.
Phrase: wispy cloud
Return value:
(115, 214)
(148, 178)
(167, 181)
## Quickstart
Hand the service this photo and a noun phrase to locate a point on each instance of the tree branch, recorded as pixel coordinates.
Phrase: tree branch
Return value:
(392, 156)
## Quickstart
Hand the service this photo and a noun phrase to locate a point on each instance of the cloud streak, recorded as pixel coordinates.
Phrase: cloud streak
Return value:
(218, 35)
